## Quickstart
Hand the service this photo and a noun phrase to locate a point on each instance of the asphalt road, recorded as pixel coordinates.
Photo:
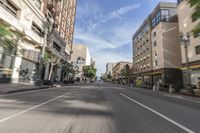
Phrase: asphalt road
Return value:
(98, 108)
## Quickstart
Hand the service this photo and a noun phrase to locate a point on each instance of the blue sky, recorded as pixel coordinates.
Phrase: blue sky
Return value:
(107, 26)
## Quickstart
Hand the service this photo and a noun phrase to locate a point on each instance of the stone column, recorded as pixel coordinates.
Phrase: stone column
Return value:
(59, 69)
(46, 71)
(16, 63)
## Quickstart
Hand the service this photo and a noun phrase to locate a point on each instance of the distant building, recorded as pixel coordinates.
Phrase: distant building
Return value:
(109, 67)
(80, 57)
(117, 70)
(186, 24)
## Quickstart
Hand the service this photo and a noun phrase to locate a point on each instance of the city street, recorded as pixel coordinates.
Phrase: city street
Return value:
(98, 108)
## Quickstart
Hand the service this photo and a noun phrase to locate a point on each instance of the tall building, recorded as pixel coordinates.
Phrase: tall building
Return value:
(61, 16)
(80, 57)
(186, 24)
(63, 13)
(156, 48)
(109, 67)
(33, 21)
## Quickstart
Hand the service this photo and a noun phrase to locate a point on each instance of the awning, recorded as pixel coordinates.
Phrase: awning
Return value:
(191, 67)
(153, 73)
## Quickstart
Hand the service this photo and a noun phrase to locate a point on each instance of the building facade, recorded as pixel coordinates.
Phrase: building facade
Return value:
(156, 48)
(186, 25)
(109, 67)
(80, 57)
(29, 19)
(26, 19)
(120, 71)
(60, 38)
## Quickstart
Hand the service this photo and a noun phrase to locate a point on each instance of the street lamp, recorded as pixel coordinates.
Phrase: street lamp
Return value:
(185, 39)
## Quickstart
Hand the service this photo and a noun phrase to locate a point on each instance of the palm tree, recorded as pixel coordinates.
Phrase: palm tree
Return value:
(196, 15)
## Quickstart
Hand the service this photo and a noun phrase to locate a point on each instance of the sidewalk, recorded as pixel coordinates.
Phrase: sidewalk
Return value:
(11, 88)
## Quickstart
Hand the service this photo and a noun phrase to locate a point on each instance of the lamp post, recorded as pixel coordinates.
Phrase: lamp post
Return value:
(185, 39)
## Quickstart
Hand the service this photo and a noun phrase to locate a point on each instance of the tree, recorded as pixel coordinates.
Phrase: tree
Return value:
(68, 68)
(89, 72)
(196, 15)
(126, 73)
(8, 38)
(53, 60)
(103, 77)
(109, 76)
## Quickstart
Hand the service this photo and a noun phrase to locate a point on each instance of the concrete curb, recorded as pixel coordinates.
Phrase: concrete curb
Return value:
(24, 89)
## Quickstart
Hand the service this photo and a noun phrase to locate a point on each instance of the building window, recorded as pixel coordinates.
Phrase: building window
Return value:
(154, 43)
(196, 35)
(147, 57)
(156, 19)
(197, 49)
(154, 34)
(37, 29)
(10, 7)
(56, 46)
(37, 3)
(156, 54)
(156, 63)
(165, 15)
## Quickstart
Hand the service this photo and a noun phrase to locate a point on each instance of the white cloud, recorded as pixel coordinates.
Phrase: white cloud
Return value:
(111, 38)
(118, 12)
(105, 41)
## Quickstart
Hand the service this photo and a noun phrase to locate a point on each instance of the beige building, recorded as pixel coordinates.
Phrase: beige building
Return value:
(80, 57)
(117, 70)
(63, 12)
(61, 16)
(186, 24)
(156, 48)
(142, 51)
(31, 19)
(24, 17)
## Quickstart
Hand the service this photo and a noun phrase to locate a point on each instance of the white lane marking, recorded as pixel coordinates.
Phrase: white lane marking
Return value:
(161, 115)
(182, 98)
(34, 107)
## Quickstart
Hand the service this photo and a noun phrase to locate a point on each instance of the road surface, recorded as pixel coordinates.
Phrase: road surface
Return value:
(98, 108)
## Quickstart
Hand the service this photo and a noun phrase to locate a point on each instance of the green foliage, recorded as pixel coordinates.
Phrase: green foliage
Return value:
(68, 68)
(194, 2)
(47, 56)
(126, 72)
(138, 82)
(103, 77)
(89, 72)
(109, 76)
(7, 37)
(196, 15)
